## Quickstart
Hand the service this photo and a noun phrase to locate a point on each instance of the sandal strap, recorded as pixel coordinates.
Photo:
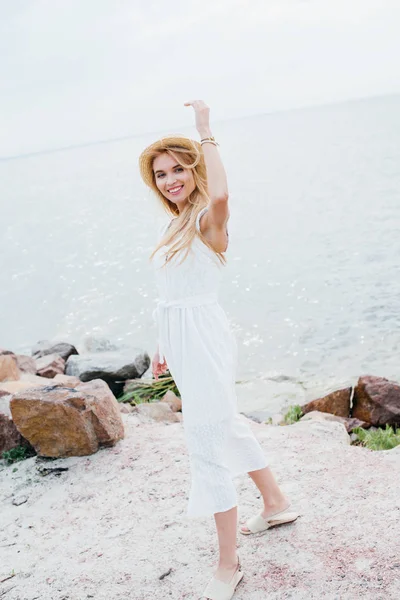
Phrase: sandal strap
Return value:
(256, 524)
(259, 523)
(219, 590)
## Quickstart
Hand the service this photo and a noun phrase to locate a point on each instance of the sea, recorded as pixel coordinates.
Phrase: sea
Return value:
(312, 283)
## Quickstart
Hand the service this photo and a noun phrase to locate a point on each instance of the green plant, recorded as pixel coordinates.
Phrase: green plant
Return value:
(379, 439)
(293, 415)
(18, 453)
(150, 390)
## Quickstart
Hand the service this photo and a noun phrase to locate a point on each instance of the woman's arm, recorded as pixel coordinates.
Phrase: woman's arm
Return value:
(214, 220)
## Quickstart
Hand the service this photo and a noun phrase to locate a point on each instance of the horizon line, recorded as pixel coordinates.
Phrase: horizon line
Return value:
(144, 133)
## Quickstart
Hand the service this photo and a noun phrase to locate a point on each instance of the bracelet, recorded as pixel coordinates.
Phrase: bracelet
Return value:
(210, 140)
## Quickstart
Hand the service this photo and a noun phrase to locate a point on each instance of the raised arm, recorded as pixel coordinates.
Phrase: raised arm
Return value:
(213, 223)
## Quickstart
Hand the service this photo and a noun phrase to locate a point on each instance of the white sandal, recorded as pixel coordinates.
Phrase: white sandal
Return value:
(219, 590)
(258, 523)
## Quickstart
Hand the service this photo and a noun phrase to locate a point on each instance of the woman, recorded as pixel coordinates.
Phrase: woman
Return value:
(196, 342)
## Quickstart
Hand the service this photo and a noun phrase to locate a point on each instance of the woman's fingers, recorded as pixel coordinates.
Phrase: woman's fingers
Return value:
(196, 104)
(160, 369)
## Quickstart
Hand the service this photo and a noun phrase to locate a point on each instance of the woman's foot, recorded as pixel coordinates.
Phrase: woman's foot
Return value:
(228, 574)
(226, 571)
(270, 510)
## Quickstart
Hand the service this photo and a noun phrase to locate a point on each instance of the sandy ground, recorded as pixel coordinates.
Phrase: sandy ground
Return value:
(115, 522)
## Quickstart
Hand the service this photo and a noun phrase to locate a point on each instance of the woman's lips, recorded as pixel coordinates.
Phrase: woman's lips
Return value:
(175, 190)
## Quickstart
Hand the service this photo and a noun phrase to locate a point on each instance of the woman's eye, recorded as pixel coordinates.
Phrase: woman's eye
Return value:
(179, 169)
(160, 175)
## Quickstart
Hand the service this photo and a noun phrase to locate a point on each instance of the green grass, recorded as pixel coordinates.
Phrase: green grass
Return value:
(293, 415)
(151, 390)
(381, 439)
(18, 453)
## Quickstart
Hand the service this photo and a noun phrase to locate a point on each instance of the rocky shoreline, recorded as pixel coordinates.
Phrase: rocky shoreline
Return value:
(58, 402)
(99, 510)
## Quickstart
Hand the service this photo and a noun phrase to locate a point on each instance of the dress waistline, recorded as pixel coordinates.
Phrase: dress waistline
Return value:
(160, 311)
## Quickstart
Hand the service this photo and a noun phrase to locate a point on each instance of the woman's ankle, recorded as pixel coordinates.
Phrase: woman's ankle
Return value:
(276, 504)
(228, 563)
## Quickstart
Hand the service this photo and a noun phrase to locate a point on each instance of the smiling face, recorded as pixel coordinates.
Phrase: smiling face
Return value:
(174, 182)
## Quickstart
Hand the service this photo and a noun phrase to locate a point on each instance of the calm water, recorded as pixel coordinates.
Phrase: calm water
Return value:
(312, 288)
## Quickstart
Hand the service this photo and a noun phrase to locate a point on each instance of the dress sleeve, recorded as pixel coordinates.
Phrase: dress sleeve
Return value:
(201, 213)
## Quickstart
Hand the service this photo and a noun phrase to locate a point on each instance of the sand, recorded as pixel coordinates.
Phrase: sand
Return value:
(114, 525)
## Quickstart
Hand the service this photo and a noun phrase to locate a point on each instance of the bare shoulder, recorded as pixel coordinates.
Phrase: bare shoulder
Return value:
(213, 225)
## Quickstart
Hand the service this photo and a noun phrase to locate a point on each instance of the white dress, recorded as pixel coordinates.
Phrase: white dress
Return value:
(200, 349)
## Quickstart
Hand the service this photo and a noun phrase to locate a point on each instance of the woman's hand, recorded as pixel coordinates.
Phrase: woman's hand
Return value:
(157, 367)
(202, 113)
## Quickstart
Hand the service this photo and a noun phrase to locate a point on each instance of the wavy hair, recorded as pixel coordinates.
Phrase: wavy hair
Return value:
(189, 155)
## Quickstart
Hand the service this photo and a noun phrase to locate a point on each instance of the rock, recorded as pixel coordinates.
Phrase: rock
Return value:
(10, 437)
(349, 423)
(94, 343)
(50, 365)
(35, 380)
(26, 364)
(13, 387)
(26, 382)
(173, 401)
(377, 400)
(328, 431)
(258, 416)
(156, 411)
(60, 421)
(125, 407)
(336, 403)
(8, 368)
(20, 500)
(67, 380)
(45, 347)
(112, 367)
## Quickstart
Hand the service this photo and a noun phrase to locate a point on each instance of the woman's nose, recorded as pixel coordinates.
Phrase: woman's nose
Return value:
(171, 178)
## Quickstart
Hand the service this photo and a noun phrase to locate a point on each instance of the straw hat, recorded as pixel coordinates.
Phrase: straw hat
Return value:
(165, 143)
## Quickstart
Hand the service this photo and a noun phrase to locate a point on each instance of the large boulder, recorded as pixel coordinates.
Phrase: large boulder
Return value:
(336, 403)
(60, 421)
(50, 365)
(377, 400)
(9, 370)
(44, 347)
(112, 367)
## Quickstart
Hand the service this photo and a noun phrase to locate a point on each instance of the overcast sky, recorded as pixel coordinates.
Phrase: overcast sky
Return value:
(75, 71)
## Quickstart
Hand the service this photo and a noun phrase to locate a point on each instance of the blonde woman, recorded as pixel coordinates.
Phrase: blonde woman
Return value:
(197, 345)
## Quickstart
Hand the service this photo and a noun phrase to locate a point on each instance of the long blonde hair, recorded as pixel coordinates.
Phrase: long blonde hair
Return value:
(189, 155)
